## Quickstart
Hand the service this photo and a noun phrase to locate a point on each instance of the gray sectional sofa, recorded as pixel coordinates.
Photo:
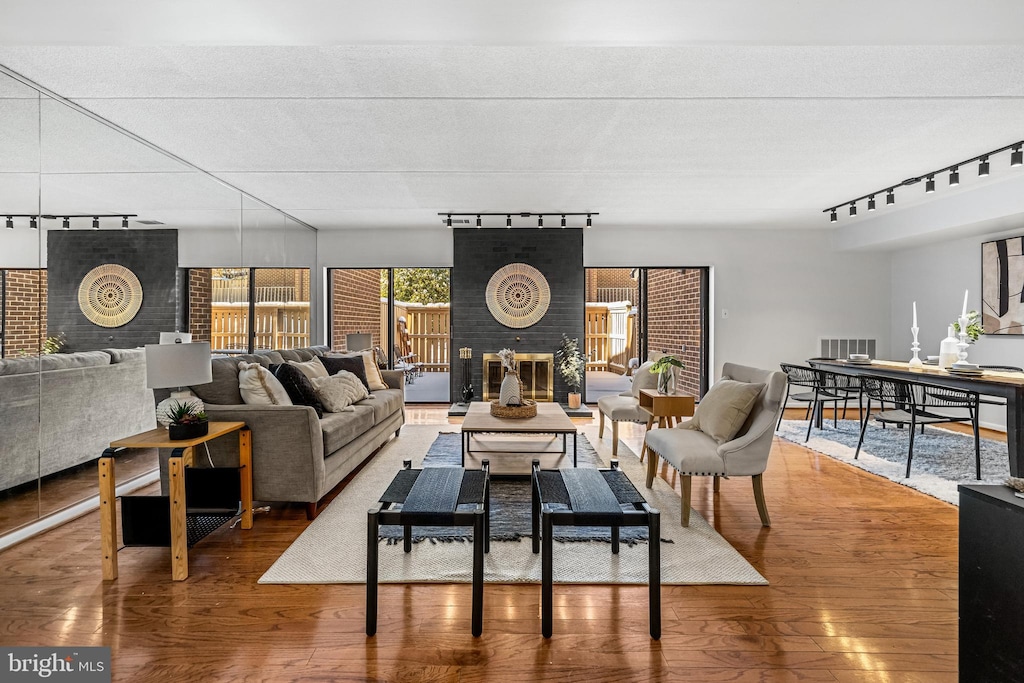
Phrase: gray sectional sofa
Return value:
(298, 457)
(64, 409)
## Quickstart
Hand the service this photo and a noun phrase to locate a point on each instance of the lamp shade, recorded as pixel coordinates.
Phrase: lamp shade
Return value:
(178, 365)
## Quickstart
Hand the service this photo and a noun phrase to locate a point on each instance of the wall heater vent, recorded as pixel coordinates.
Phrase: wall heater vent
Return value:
(842, 348)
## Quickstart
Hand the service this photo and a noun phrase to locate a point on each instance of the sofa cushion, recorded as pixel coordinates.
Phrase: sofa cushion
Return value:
(296, 354)
(622, 408)
(338, 392)
(273, 357)
(699, 449)
(223, 390)
(643, 378)
(373, 377)
(341, 428)
(350, 363)
(125, 355)
(724, 409)
(310, 368)
(67, 361)
(260, 388)
(318, 350)
(384, 402)
(299, 388)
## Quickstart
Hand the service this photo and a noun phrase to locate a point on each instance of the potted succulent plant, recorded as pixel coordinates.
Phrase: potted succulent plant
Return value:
(572, 365)
(664, 368)
(186, 422)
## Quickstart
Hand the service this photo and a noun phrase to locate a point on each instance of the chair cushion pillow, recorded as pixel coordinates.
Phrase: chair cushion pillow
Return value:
(260, 388)
(310, 368)
(643, 378)
(338, 392)
(299, 388)
(373, 376)
(350, 363)
(724, 409)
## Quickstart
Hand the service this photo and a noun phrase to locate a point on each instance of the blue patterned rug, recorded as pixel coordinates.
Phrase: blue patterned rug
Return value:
(943, 459)
(510, 504)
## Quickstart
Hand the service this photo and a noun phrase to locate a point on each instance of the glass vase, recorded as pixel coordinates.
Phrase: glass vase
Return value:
(667, 382)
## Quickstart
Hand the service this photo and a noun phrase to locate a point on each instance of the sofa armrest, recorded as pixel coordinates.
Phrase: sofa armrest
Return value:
(395, 379)
(287, 449)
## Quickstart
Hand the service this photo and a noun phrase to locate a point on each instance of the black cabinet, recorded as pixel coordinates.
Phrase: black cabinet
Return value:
(991, 585)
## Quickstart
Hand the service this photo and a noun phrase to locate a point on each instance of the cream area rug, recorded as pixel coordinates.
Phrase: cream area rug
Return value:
(333, 548)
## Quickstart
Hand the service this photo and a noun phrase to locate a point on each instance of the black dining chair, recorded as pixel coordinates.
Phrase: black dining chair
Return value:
(915, 404)
(820, 389)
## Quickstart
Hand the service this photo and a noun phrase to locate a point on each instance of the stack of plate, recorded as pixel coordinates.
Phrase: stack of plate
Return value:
(859, 359)
(965, 369)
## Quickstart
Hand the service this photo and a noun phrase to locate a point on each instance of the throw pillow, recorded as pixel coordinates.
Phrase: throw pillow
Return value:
(374, 380)
(724, 409)
(643, 379)
(354, 364)
(299, 389)
(260, 388)
(310, 368)
(333, 392)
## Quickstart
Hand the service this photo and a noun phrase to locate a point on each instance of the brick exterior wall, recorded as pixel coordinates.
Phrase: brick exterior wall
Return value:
(675, 319)
(600, 278)
(295, 278)
(200, 297)
(24, 312)
(355, 305)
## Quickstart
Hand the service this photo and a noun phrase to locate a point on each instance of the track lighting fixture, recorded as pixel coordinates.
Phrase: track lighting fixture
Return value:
(1016, 160)
(124, 222)
(32, 223)
(95, 223)
(67, 223)
(446, 217)
(10, 223)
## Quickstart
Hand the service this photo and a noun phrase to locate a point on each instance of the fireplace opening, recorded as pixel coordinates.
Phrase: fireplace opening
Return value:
(536, 371)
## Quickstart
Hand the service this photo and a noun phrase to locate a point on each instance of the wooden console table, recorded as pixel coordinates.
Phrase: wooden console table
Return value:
(181, 458)
(667, 408)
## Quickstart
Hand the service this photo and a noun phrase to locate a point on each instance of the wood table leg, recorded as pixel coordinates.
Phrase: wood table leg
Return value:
(643, 451)
(179, 524)
(108, 514)
(245, 463)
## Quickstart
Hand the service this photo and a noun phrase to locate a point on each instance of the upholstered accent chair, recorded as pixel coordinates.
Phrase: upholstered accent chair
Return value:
(730, 434)
(625, 407)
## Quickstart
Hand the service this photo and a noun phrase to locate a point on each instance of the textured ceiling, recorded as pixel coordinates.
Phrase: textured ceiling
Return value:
(656, 127)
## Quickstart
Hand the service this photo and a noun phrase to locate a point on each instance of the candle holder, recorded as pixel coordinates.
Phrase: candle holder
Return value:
(964, 340)
(915, 362)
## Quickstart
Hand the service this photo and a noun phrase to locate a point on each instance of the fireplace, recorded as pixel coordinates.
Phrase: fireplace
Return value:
(536, 370)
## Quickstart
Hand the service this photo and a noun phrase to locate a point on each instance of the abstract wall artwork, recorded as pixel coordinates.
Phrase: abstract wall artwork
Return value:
(1002, 286)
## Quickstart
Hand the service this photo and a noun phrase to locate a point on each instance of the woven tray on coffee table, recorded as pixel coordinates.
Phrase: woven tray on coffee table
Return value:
(527, 409)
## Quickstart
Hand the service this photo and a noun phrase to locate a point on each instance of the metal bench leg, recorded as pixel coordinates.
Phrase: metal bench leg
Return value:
(478, 572)
(547, 571)
(654, 571)
(372, 530)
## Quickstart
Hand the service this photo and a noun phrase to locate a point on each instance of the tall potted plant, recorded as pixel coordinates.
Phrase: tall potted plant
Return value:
(572, 365)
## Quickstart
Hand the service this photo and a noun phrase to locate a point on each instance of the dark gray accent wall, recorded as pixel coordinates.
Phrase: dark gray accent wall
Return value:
(557, 253)
(151, 254)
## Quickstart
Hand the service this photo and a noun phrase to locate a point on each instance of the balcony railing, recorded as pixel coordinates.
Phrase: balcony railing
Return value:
(276, 326)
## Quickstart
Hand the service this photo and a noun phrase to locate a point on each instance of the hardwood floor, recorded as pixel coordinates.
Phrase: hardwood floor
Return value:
(862, 572)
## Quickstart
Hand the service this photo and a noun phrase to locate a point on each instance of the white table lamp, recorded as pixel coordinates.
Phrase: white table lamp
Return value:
(177, 366)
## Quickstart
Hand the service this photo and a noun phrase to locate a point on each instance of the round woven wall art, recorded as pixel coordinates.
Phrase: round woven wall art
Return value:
(110, 295)
(518, 295)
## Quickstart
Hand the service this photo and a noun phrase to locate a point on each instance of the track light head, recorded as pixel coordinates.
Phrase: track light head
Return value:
(871, 203)
(929, 185)
(508, 220)
(124, 223)
(449, 223)
(590, 223)
(983, 167)
(10, 223)
(853, 208)
(954, 176)
(890, 198)
(563, 220)
(95, 223)
(833, 217)
(1017, 156)
(540, 220)
(478, 223)
(67, 223)
(32, 223)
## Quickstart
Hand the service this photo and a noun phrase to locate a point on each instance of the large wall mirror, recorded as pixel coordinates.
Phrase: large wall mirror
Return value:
(110, 242)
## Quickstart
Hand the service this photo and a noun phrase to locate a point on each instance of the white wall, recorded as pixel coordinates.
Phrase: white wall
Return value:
(783, 289)
(936, 275)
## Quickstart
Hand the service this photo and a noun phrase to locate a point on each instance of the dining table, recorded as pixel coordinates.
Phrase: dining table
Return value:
(1004, 384)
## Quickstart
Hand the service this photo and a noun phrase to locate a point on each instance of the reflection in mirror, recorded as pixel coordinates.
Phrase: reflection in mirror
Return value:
(22, 305)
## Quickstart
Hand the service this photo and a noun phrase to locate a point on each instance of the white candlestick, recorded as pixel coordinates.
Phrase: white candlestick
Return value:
(915, 314)
(964, 314)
